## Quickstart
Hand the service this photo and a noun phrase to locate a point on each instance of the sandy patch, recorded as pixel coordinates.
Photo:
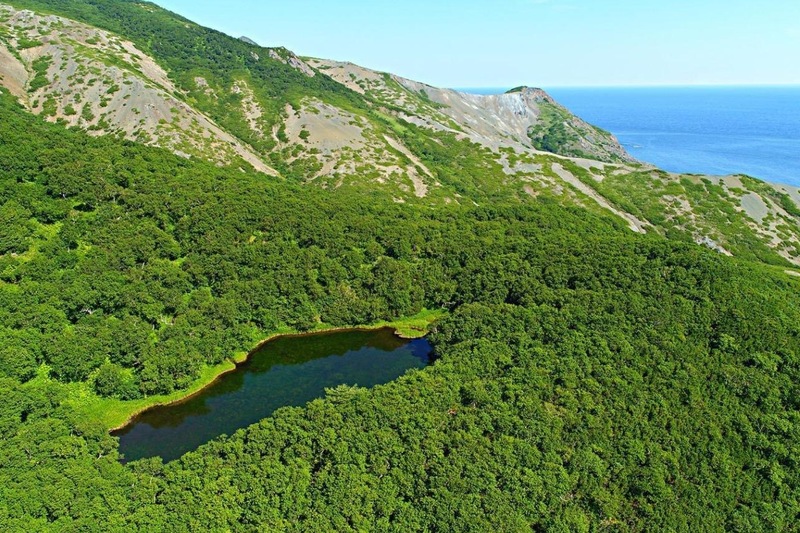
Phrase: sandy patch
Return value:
(288, 58)
(530, 191)
(755, 207)
(712, 244)
(348, 74)
(420, 188)
(732, 182)
(148, 67)
(329, 129)
(793, 192)
(250, 107)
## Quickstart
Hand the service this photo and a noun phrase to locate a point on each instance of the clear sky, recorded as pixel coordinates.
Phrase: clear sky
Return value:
(547, 43)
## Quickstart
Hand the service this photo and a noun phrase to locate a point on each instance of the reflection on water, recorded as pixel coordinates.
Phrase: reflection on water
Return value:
(286, 371)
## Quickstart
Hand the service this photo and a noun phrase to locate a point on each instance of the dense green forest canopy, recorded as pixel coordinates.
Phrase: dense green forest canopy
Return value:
(587, 378)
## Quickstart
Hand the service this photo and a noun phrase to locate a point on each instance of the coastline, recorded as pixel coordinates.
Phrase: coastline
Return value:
(406, 328)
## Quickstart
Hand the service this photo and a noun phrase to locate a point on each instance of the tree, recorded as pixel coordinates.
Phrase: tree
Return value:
(394, 285)
(73, 355)
(15, 228)
(18, 363)
(113, 380)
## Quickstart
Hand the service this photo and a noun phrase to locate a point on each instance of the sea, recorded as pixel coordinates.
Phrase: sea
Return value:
(704, 130)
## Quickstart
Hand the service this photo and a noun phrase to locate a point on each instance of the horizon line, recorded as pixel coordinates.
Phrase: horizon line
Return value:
(638, 86)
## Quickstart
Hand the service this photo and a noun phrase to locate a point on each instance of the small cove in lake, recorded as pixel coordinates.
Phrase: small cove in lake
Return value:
(286, 371)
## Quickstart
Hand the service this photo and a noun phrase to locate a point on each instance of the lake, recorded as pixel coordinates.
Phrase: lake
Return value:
(285, 371)
(706, 130)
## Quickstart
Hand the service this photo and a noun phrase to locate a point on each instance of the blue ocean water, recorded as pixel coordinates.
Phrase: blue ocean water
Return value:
(709, 130)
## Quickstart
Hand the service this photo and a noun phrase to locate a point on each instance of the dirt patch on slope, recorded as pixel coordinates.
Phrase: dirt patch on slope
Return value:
(420, 188)
(327, 128)
(13, 75)
(348, 74)
(250, 107)
(755, 207)
(104, 84)
(793, 192)
(633, 223)
(335, 144)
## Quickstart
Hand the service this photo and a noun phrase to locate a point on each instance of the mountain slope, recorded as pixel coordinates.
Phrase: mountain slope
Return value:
(81, 76)
(733, 214)
(340, 126)
(523, 117)
(256, 94)
(588, 377)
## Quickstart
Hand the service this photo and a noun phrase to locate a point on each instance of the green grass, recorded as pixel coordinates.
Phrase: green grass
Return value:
(113, 413)
(416, 326)
(551, 133)
(23, 43)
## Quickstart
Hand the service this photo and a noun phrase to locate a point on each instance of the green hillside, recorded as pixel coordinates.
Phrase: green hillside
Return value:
(587, 377)
(344, 128)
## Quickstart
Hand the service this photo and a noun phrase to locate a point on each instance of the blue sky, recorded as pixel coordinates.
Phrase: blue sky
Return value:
(547, 43)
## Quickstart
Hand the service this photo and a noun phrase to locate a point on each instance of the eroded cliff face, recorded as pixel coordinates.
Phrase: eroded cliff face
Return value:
(504, 120)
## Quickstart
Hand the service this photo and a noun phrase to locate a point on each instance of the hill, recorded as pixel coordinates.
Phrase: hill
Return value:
(136, 70)
(588, 377)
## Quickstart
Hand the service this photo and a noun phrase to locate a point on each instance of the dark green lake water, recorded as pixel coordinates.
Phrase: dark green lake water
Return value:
(285, 371)
(289, 370)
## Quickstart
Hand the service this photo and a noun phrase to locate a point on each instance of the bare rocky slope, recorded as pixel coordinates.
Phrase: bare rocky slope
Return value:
(335, 124)
(86, 77)
(505, 120)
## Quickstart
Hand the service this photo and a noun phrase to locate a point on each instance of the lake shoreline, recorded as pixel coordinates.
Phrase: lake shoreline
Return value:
(401, 328)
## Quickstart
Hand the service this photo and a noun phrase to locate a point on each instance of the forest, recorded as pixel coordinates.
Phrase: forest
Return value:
(587, 378)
